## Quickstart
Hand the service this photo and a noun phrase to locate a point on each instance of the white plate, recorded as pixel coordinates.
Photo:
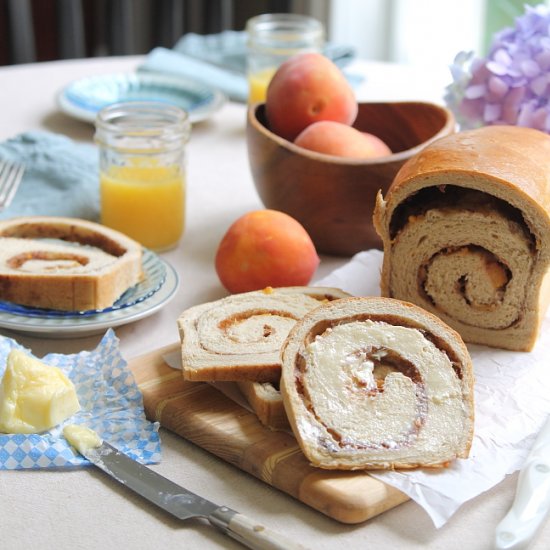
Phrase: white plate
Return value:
(83, 98)
(74, 326)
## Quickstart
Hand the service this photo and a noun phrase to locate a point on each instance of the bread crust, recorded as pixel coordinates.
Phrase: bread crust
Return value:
(266, 401)
(88, 267)
(327, 439)
(508, 167)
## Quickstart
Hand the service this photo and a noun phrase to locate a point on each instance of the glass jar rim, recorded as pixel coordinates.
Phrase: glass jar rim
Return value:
(154, 118)
(264, 24)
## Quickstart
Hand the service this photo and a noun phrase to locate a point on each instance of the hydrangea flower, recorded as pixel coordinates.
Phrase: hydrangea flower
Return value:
(512, 85)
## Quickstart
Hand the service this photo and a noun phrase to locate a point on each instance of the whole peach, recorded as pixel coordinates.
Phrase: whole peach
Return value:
(341, 140)
(305, 89)
(265, 248)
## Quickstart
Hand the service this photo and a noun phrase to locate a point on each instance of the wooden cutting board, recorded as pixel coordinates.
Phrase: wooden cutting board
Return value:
(200, 413)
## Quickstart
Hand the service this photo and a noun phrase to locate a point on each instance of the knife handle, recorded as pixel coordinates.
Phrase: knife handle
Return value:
(532, 501)
(250, 533)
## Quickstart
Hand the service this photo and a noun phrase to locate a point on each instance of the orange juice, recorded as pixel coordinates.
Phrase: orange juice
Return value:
(146, 203)
(258, 83)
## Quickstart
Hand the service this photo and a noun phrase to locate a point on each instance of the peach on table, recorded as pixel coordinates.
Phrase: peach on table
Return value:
(265, 248)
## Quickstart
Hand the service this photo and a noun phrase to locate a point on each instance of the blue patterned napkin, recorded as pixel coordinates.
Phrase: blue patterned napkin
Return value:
(219, 61)
(111, 404)
(61, 176)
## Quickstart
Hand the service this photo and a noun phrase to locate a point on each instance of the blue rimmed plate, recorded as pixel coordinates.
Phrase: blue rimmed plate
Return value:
(83, 98)
(154, 275)
(158, 287)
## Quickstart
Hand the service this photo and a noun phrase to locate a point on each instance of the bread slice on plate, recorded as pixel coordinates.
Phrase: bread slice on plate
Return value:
(65, 264)
(466, 233)
(239, 337)
(376, 383)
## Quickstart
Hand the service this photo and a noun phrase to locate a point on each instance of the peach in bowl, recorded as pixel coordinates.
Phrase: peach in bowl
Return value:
(332, 196)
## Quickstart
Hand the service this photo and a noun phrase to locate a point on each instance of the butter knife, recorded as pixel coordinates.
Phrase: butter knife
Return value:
(182, 503)
(532, 501)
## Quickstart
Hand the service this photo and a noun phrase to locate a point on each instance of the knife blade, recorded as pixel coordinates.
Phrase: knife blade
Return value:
(181, 502)
(532, 500)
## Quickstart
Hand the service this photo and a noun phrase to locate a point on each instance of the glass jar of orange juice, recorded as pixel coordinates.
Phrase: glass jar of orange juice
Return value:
(142, 171)
(272, 38)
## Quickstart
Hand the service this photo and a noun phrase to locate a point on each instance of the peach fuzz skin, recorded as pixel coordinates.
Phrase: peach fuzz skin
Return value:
(333, 138)
(265, 248)
(306, 89)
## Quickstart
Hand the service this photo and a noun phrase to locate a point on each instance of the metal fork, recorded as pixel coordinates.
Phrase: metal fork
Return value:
(11, 174)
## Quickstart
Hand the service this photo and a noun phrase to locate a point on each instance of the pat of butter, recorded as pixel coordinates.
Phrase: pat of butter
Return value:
(34, 397)
(81, 438)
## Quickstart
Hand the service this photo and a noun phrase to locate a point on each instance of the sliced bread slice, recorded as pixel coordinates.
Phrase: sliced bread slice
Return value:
(65, 264)
(239, 337)
(376, 383)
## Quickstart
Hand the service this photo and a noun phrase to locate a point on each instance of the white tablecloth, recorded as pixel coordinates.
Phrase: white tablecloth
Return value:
(83, 509)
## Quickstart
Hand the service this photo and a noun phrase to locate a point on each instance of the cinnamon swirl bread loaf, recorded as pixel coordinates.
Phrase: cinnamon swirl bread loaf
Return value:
(466, 234)
(66, 264)
(239, 337)
(376, 383)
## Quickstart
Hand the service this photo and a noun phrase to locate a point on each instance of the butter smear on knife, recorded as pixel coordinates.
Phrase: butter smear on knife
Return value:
(34, 397)
(81, 438)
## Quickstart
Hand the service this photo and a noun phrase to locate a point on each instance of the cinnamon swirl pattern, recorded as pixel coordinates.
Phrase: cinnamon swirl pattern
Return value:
(239, 337)
(376, 383)
(466, 233)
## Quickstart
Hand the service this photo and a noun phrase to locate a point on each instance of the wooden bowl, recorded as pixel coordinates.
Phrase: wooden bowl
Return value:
(334, 197)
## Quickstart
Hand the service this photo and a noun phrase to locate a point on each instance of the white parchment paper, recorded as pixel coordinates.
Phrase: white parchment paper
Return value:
(512, 401)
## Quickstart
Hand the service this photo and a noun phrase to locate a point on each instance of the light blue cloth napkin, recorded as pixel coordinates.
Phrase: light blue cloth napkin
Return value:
(219, 61)
(228, 49)
(61, 176)
(169, 62)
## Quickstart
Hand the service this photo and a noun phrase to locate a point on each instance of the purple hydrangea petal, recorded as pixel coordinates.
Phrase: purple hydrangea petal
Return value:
(512, 84)
(480, 75)
(475, 91)
(530, 68)
(525, 115)
(515, 95)
(469, 113)
(509, 115)
(497, 68)
(515, 72)
(538, 85)
(543, 58)
(538, 119)
(502, 57)
(512, 104)
(491, 112)
(497, 87)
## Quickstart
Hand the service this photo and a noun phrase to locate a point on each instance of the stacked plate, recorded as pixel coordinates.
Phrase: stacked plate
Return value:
(83, 98)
